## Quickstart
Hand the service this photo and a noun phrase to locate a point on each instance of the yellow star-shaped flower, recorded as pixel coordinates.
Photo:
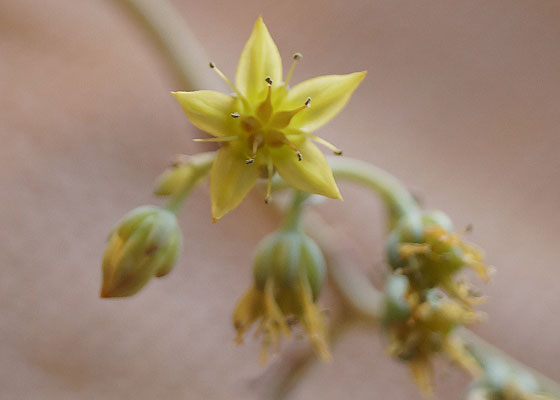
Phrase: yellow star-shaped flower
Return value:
(266, 127)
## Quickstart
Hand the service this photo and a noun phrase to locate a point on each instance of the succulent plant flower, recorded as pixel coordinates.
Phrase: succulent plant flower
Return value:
(266, 127)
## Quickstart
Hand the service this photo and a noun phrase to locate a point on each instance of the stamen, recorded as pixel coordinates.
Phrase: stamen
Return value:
(226, 80)
(296, 57)
(218, 139)
(256, 143)
(270, 169)
(235, 115)
(328, 145)
(265, 108)
(308, 102)
(294, 148)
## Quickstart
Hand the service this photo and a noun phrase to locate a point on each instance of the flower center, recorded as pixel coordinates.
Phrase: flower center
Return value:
(264, 128)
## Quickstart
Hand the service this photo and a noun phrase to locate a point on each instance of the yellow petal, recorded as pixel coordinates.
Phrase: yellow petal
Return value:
(312, 174)
(329, 94)
(260, 59)
(208, 110)
(230, 181)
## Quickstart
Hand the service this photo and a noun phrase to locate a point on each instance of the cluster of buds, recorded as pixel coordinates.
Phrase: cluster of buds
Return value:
(289, 272)
(422, 324)
(503, 382)
(424, 302)
(144, 244)
(424, 248)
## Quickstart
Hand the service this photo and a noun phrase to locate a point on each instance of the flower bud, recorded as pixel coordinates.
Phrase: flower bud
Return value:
(395, 307)
(144, 244)
(286, 255)
(437, 217)
(289, 271)
(174, 178)
(425, 249)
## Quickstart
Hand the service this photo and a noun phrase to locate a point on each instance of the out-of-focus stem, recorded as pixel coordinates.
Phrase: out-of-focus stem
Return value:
(482, 350)
(174, 40)
(292, 216)
(356, 290)
(292, 371)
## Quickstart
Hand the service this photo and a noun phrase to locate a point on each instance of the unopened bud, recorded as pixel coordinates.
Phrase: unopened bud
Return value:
(395, 306)
(174, 178)
(437, 217)
(146, 243)
(286, 255)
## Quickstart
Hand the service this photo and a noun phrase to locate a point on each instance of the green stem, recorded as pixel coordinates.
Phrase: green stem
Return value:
(200, 166)
(482, 350)
(292, 371)
(292, 217)
(397, 198)
(355, 289)
(174, 40)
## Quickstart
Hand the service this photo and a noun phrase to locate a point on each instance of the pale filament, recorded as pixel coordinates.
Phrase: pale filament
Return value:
(296, 57)
(230, 84)
(325, 143)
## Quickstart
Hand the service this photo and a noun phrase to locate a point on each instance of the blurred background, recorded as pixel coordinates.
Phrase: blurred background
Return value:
(461, 102)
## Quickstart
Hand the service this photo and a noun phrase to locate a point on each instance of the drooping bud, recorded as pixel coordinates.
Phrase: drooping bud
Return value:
(285, 256)
(289, 272)
(146, 243)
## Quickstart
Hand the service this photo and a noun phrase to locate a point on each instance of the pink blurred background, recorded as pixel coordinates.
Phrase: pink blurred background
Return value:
(461, 102)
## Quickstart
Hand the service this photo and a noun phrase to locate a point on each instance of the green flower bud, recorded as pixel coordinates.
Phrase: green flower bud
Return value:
(410, 228)
(395, 307)
(437, 217)
(146, 243)
(284, 256)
